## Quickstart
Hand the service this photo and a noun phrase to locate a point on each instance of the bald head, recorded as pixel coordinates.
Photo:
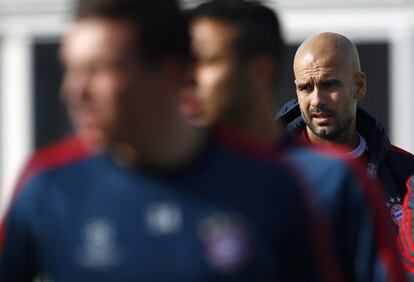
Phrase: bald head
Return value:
(326, 47)
(329, 83)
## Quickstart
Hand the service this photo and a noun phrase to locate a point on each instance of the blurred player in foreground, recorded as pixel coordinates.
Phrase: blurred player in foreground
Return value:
(238, 53)
(163, 201)
(77, 146)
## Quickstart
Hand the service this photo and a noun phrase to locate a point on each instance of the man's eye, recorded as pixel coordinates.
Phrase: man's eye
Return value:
(207, 60)
(331, 84)
(305, 88)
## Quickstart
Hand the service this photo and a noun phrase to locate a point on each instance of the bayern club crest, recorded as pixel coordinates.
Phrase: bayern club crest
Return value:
(396, 213)
(227, 242)
(396, 209)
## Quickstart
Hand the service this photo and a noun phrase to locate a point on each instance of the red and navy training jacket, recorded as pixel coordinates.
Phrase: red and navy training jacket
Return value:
(67, 150)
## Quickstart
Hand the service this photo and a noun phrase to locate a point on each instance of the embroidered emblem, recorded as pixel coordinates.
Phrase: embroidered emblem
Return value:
(396, 209)
(163, 218)
(396, 213)
(99, 247)
(227, 242)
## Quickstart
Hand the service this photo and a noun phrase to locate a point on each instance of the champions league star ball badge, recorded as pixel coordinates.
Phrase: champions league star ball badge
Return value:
(163, 218)
(99, 244)
(227, 242)
(396, 209)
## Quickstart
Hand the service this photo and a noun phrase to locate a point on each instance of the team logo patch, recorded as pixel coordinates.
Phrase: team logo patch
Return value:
(396, 209)
(163, 218)
(396, 213)
(227, 242)
(99, 247)
(44, 277)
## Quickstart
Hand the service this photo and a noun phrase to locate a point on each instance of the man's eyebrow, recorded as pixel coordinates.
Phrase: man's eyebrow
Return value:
(331, 80)
(302, 84)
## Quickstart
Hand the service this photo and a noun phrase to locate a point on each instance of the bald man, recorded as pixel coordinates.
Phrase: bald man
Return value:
(329, 83)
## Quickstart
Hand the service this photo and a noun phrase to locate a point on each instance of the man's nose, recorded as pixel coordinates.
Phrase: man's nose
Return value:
(318, 97)
(75, 87)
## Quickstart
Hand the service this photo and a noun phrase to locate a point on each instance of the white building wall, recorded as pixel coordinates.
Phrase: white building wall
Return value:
(21, 23)
(15, 108)
(402, 87)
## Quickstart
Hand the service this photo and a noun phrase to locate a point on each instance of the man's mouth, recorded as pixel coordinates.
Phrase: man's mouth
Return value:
(190, 106)
(322, 118)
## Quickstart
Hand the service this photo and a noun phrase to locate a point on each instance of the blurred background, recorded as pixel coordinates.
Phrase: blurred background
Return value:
(31, 114)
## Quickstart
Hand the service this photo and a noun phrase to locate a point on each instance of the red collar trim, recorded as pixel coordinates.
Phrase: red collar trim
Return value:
(239, 140)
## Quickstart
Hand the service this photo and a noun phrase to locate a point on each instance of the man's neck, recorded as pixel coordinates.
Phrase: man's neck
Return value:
(260, 124)
(164, 155)
(257, 118)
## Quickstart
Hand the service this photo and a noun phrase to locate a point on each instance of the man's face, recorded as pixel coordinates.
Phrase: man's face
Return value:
(75, 82)
(105, 79)
(216, 71)
(327, 95)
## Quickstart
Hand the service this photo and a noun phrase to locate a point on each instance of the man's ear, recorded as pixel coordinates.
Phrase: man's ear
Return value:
(360, 85)
(261, 71)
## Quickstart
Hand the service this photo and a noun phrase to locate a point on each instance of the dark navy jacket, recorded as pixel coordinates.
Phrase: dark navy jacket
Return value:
(228, 217)
(67, 150)
(391, 165)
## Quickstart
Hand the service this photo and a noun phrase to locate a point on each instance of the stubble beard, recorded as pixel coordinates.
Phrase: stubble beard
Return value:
(337, 132)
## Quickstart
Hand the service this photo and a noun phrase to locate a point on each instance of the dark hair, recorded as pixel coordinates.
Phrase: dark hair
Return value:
(259, 29)
(160, 26)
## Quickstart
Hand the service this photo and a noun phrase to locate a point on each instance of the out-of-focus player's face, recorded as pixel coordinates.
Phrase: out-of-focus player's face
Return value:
(106, 77)
(327, 94)
(73, 89)
(216, 71)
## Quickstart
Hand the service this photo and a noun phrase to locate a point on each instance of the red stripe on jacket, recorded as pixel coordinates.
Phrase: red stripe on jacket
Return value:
(62, 152)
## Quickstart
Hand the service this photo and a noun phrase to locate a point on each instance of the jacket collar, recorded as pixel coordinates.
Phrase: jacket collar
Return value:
(374, 133)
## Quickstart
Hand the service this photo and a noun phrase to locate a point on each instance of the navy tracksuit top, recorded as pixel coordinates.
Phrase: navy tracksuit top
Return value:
(228, 217)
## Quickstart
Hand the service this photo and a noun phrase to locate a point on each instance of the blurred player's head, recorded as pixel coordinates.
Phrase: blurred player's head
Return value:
(329, 83)
(125, 62)
(238, 48)
(83, 122)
